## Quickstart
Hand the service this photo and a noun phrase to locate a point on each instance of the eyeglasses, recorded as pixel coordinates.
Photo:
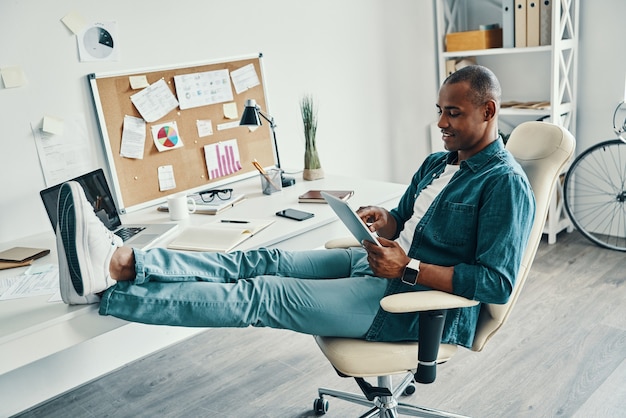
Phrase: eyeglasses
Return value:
(222, 194)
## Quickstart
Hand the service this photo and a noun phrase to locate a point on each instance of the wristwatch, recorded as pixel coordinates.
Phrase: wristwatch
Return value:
(411, 272)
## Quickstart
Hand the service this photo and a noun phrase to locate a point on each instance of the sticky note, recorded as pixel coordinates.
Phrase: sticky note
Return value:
(230, 110)
(138, 82)
(13, 77)
(53, 125)
(74, 22)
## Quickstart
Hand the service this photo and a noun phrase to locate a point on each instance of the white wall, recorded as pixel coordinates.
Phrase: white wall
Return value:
(352, 55)
(377, 55)
(601, 69)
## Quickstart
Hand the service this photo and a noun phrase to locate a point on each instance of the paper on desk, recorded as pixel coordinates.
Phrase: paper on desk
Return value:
(27, 285)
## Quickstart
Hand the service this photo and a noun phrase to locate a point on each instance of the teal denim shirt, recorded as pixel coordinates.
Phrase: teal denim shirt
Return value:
(479, 223)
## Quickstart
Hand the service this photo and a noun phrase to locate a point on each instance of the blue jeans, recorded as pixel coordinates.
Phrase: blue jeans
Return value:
(319, 292)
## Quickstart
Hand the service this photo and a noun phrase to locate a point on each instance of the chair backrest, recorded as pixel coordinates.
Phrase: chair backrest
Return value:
(543, 150)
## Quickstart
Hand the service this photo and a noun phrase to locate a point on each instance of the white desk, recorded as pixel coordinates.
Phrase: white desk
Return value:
(47, 349)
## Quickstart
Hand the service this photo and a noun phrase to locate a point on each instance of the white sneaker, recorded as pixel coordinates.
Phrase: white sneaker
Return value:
(85, 248)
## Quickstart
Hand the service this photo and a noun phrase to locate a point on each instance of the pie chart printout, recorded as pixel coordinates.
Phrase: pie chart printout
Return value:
(166, 136)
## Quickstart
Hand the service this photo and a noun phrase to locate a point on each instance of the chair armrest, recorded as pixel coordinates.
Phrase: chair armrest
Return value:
(344, 242)
(429, 300)
(433, 305)
(411, 301)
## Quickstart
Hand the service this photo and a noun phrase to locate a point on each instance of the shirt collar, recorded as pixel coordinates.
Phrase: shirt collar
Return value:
(480, 159)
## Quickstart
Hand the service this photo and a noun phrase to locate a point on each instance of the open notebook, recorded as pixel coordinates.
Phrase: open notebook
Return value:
(217, 236)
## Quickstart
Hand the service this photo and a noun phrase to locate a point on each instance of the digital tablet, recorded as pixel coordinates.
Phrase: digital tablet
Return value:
(350, 219)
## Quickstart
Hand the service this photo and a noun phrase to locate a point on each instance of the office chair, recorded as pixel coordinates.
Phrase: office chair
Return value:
(543, 150)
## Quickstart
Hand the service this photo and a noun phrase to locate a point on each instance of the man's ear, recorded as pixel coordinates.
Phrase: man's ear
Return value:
(490, 110)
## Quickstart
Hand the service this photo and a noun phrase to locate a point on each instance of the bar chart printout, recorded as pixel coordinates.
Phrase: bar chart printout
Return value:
(222, 158)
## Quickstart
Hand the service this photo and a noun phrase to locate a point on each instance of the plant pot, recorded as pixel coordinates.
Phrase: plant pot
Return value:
(313, 173)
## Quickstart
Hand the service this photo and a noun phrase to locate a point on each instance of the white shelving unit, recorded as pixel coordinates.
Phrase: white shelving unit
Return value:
(527, 74)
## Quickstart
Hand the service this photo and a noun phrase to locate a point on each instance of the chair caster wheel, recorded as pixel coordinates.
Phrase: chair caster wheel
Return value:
(320, 406)
(409, 390)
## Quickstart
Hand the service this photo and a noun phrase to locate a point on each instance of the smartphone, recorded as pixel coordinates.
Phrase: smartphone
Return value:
(298, 215)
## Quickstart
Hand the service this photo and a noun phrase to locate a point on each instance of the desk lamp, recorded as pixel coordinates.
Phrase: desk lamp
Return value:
(250, 117)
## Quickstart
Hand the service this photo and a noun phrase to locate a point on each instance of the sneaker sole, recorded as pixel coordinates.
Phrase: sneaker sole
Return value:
(67, 229)
(68, 293)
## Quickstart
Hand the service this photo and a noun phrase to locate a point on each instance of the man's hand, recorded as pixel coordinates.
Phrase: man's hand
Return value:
(387, 261)
(378, 219)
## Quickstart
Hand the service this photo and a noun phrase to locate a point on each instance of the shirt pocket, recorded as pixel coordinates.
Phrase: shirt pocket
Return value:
(455, 224)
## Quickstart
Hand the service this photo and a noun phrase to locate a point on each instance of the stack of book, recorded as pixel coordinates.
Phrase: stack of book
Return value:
(315, 196)
(20, 256)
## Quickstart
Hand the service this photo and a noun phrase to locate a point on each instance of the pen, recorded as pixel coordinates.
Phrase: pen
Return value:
(231, 221)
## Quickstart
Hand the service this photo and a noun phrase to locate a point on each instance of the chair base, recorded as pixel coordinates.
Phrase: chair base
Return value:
(382, 406)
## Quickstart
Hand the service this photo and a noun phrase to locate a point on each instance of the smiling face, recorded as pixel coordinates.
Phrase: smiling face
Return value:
(466, 126)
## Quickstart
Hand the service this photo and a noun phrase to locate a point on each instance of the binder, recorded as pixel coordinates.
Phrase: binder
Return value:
(508, 23)
(520, 23)
(450, 66)
(532, 22)
(545, 22)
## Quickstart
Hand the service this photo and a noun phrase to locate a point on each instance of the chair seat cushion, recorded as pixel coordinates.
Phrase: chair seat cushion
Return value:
(360, 358)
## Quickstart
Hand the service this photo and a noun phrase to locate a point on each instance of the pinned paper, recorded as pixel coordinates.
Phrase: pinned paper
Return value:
(166, 178)
(202, 89)
(53, 125)
(244, 78)
(205, 127)
(67, 155)
(74, 22)
(166, 136)
(228, 125)
(133, 137)
(13, 77)
(155, 101)
(138, 82)
(222, 158)
(230, 110)
(98, 42)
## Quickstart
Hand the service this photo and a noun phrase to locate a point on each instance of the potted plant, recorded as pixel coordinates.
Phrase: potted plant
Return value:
(312, 166)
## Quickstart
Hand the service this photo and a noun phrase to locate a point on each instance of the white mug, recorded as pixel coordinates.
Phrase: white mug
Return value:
(180, 206)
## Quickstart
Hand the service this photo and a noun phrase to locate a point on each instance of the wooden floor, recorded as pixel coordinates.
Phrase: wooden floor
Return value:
(562, 353)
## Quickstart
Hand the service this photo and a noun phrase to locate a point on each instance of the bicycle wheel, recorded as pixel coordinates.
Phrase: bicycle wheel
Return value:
(594, 194)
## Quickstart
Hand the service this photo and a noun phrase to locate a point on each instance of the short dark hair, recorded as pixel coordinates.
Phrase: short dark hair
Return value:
(484, 84)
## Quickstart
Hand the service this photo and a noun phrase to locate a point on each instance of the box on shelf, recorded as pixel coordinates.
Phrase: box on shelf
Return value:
(474, 39)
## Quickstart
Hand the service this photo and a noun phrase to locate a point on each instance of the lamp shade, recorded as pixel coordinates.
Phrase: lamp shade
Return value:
(250, 116)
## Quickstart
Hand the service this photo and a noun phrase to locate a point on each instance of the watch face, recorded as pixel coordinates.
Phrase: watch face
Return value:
(410, 276)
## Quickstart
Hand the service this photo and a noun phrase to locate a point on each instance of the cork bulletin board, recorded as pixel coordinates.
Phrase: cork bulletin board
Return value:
(176, 144)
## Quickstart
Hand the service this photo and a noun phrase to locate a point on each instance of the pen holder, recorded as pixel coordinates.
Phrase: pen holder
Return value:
(271, 181)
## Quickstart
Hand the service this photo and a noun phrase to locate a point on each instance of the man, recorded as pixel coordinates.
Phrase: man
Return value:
(461, 227)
